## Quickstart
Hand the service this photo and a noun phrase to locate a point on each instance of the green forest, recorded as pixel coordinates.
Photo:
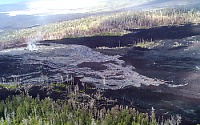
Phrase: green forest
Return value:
(76, 107)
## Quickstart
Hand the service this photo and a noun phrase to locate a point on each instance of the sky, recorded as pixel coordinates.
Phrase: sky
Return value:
(46, 1)
(55, 7)
(10, 1)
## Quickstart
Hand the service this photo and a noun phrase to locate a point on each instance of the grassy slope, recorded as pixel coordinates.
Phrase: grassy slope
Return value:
(114, 24)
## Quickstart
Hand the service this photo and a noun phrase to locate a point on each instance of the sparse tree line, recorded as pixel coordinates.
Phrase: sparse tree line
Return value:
(25, 110)
(78, 105)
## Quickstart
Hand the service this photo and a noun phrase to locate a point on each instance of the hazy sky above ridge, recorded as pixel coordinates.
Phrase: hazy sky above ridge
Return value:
(10, 1)
(55, 7)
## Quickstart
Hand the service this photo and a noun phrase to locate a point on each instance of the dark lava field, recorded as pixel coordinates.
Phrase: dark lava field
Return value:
(161, 72)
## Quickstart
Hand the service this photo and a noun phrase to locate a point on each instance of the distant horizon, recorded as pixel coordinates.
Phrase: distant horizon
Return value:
(61, 7)
(55, 7)
(6, 2)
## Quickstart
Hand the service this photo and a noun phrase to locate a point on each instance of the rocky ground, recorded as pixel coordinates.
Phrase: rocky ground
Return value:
(163, 74)
(51, 62)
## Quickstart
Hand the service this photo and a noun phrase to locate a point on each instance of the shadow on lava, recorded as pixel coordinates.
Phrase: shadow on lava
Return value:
(166, 104)
(165, 32)
(136, 35)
